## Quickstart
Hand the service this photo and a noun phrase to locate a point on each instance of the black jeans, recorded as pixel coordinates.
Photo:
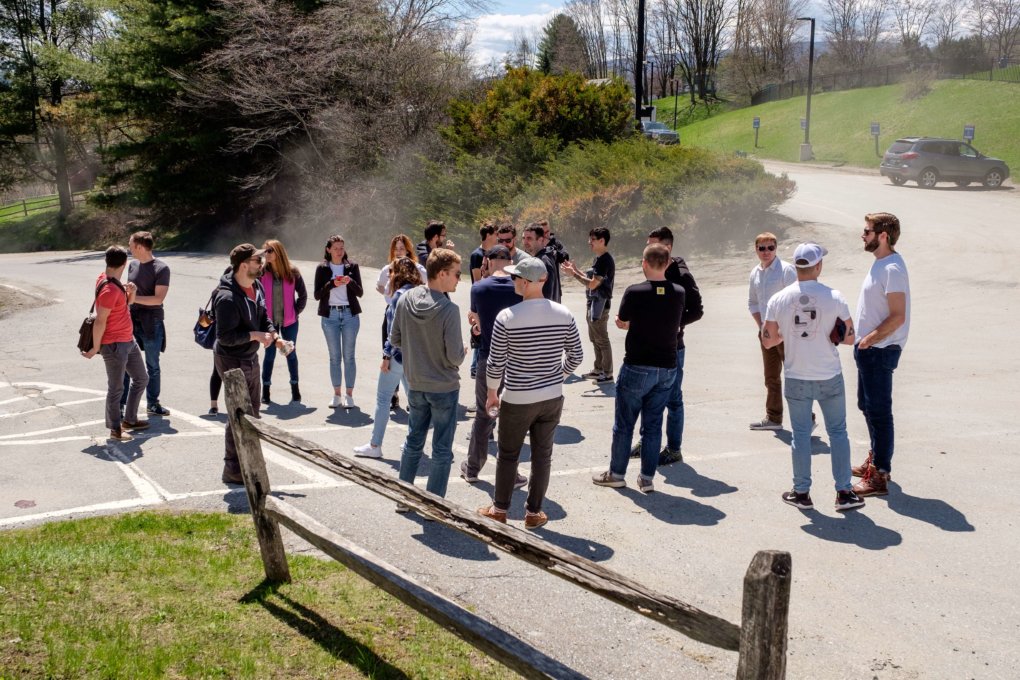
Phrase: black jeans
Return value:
(250, 368)
(516, 420)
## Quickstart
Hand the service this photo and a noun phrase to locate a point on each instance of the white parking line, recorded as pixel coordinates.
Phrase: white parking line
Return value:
(47, 408)
(26, 397)
(87, 423)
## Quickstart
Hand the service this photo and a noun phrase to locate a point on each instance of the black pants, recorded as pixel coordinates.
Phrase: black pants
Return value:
(250, 368)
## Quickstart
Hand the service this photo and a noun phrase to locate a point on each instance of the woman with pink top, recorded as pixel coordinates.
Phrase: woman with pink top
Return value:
(286, 298)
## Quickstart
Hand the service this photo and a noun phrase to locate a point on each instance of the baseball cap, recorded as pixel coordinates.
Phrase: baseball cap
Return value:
(498, 253)
(808, 255)
(243, 252)
(530, 268)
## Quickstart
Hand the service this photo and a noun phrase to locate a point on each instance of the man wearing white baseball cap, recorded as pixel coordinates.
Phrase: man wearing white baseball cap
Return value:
(810, 319)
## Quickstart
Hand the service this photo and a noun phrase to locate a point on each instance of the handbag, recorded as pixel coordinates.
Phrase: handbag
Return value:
(85, 342)
(205, 327)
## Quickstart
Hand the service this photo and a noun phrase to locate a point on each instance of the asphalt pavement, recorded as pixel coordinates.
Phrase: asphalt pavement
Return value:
(920, 584)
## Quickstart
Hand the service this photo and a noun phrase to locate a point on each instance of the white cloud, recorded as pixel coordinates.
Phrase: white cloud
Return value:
(493, 34)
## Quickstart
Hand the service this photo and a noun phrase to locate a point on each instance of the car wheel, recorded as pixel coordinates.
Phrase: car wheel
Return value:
(928, 178)
(897, 180)
(962, 183)
(994, 178)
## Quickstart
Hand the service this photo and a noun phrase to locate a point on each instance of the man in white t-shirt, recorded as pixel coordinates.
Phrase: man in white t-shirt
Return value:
(810, 318)
(883, 323)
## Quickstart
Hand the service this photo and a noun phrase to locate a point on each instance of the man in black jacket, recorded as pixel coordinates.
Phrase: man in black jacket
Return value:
(242, 324)
(678, 273)
(435, 237)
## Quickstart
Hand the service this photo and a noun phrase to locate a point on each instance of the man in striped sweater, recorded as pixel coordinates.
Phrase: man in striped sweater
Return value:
(526, 351)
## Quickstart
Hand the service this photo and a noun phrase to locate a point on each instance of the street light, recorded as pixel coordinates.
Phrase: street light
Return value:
(651, 81)
(805, 148)
(639, 69)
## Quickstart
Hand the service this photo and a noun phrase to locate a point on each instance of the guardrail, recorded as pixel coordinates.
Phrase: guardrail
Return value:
(760, 639)
(30, 205)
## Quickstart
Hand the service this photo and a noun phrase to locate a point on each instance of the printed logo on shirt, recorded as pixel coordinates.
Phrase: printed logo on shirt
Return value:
(805, 316)
(660, 290)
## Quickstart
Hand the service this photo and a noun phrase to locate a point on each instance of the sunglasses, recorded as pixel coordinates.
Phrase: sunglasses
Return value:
(869, 231)
(762, 249)
(514, 277)
(455, 273)
(506, 240)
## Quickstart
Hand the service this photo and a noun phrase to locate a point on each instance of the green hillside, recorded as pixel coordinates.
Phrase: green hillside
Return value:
(840, 122)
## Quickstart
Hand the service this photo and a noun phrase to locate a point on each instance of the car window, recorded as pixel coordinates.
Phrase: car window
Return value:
(934, 147)
(900, 147)
(968, 151)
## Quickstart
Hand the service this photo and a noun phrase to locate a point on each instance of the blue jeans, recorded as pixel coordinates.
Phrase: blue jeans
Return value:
(341, 331)
(388, 382)
(287, 333)
(875, 367)
(831, 397)
(439, 409)
(150, 345)
(675, 407)
(640, 390)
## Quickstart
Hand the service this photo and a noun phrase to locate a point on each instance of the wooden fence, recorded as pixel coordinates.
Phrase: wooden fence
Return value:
(760, 639)
(29, 205)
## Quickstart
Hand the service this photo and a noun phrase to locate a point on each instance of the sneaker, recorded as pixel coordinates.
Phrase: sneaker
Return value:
(265, 394)
(873, 483)
(157, 410)
(668, 456)
(394, 403)
(337, 402)
(520, 482)
(213, 410)
(607, 478)
(466, 476)
(798, 500)
(229, 477)
(348, 401)
(368, 450)
(534, 520)
(848, 500)
(604, 378)
(645, 485)
(402, 508)
(295, 393)
(120, 435)
(862, 469)
(471, 409)
(136, 425)
(591, 375)
(766, 424)
(493, 513)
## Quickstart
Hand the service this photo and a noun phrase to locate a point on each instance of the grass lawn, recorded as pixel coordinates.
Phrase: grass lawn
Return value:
(152, 595)
(840, 122)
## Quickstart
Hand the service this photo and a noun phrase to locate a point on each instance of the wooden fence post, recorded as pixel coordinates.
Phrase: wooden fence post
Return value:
(256, 479)
(765, 616)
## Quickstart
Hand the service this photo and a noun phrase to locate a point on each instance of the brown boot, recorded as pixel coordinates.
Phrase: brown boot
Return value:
(862, 469)
(874, 483)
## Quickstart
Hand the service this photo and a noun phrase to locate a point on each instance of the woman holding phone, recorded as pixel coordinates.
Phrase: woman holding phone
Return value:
(286, 298)
(337, 288)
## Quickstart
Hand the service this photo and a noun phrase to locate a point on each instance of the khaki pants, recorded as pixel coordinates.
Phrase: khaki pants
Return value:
(772, 359)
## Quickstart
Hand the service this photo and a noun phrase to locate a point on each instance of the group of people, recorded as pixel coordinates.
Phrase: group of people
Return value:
(800, 323)
(525, 343)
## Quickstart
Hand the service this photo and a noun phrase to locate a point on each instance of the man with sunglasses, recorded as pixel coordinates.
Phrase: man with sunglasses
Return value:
(768, 277)
(507, 236)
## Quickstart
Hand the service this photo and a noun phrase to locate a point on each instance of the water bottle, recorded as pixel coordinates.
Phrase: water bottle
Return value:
(493, 411)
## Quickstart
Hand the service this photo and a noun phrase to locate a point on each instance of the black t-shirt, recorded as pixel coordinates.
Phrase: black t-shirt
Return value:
(147, 276)
(654, 310)
(605, 266)
(477, 255)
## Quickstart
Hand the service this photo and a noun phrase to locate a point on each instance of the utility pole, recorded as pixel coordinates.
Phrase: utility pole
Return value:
(639, 66)
(805, 149)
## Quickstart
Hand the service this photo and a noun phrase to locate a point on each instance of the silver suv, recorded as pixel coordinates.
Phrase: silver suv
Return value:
(930, 160)
(659, 132)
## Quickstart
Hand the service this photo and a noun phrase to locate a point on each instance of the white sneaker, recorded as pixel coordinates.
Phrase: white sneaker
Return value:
(368, 451)
(766, 424)
(336, 401)
(348, 401)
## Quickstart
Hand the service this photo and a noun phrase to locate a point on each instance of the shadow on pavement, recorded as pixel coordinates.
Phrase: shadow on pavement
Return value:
(354, 417)
(313, 626)
(674, 510)
(817, 445)
(129, 451)
(579, 545)
(450, 542)
(934, 511)
(854, 528)
(683, 475)
(287, 411)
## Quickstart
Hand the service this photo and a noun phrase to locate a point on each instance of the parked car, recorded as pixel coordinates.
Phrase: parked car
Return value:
(660, 132)
(930, 160)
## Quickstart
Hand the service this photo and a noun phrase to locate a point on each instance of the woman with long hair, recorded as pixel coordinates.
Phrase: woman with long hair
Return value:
(404, 277)
(337, 288)
(286, 298)
(400, 246)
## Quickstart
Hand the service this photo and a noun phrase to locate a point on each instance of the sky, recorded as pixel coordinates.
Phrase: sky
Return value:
(494, 31)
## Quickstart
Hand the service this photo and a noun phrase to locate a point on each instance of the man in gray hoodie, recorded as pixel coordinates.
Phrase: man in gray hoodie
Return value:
(426, 328)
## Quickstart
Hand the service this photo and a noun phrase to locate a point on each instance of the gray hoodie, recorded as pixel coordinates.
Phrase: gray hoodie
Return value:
(426, 328)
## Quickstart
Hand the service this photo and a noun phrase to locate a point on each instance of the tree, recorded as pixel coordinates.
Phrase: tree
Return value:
(946, 21)
(763, 42)
(853, 28)
(46, 53)
(562, 49)
(913, 18)
(999, 25)
(698, 29)
(589, 17)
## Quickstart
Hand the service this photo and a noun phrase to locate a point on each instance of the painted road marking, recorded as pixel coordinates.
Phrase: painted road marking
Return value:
(47, 408)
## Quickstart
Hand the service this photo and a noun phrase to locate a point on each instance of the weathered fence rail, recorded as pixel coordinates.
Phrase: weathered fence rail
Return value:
(30, 205)
(760, 639)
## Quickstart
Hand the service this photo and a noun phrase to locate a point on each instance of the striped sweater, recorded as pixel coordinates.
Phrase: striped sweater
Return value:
(528, 344)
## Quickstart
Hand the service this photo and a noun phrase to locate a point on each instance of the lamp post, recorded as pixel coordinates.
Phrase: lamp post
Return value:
(676, 98)
(651, 81)
(805, 148)
(639, 68)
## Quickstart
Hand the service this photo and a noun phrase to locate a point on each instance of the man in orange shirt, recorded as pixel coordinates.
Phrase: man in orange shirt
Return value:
(113, 337)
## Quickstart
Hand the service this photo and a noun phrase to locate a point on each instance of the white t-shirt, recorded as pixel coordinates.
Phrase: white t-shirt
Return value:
(887, 275)
(806, 312)
(338, 296)
(764, 283)
(382, 284)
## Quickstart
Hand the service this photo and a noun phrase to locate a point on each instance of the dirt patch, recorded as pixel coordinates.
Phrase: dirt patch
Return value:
(14, 300)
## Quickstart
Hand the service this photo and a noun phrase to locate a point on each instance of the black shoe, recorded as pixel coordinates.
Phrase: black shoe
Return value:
(295, 393)
(265, 394)
(848, 500)
(668, 456)
(394, 403)
(229, 477)
(798, 500)
(213, 410)
(157, 410)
